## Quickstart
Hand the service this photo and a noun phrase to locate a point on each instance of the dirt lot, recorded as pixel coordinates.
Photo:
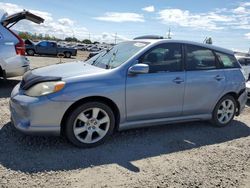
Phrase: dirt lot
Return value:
(183, 155)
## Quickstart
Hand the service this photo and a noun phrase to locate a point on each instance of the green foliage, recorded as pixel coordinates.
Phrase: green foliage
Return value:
(87, 41)
(36, 37)
(71, 39)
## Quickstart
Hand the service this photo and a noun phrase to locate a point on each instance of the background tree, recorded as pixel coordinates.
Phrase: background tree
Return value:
(87, 41)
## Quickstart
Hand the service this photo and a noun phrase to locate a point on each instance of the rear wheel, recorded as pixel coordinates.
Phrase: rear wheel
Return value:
(30, 52)
(224, 111)
(67, 54)
(90, 124)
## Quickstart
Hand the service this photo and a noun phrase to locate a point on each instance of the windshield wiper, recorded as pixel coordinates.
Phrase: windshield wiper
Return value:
(107, 51)
(111, 59)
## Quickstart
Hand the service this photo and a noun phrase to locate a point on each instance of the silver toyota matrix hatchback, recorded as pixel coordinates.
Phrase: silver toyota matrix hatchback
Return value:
(137, 83)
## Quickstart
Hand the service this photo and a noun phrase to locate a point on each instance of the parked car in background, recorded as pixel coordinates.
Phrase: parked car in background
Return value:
(135, 84)
(49, 48)
(92, 54)
(248, 89)
(245, 63)
(80, 47)
(94, 49)
(12, 48)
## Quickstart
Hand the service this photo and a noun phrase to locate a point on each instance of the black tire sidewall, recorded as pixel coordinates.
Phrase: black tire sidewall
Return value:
(73, 115)
(215, 120)
(67, 54)
(31, 54)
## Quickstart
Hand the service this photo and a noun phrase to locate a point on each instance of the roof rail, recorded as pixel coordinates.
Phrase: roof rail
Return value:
(149, 37)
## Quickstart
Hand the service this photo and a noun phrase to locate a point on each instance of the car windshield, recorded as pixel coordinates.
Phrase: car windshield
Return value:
(114, 57)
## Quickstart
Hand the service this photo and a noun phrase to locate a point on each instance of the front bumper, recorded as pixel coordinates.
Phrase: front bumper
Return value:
(36, 115)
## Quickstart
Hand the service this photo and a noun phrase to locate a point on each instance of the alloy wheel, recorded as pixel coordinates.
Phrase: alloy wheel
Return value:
(225, 111)
(91, 125)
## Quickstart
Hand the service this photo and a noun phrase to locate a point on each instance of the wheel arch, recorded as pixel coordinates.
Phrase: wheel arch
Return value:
(2, 72)
(102, 99)
(67, 52)
(235, 96)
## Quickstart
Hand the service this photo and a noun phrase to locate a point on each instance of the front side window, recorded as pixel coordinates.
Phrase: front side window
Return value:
(199, 58)
(43, 44)
(163, 58)
(228, 61)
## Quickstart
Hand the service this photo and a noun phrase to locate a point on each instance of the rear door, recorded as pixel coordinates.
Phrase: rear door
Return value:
(205, 82)
(52, 48)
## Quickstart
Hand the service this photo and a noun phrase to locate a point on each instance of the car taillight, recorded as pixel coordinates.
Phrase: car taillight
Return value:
(20, 46)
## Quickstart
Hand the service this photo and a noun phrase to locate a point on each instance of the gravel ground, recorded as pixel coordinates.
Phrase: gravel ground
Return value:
(181, 155)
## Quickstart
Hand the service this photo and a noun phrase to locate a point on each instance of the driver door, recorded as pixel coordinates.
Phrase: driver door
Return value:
(159, 93)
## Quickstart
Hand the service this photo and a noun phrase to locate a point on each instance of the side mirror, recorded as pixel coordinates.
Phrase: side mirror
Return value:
(139, 69)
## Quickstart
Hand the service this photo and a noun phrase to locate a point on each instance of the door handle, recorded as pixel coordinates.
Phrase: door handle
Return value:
(178, 80)
(219, 78)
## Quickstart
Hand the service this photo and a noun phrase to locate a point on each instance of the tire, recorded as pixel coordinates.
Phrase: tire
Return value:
(30, 52)
(67, 54)
(224, 111)
(84, 127)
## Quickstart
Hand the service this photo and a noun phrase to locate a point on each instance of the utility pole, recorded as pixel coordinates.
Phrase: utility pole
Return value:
(115, 37)
(169, 34)
(89, 36)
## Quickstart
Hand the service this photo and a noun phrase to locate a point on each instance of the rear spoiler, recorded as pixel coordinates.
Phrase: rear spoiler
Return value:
(14, 18)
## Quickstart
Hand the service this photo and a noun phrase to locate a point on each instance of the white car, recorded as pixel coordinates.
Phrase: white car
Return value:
(12, 48)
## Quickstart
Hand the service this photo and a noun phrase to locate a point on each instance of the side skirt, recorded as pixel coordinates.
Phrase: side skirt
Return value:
(162, 121)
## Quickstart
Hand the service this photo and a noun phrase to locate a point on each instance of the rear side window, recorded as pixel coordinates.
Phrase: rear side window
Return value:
(199, 58)
(228, 61)
(52, 44)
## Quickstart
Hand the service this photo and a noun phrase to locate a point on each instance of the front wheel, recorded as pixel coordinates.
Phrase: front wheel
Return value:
(224, 111)
(90, 124)
(30, 52)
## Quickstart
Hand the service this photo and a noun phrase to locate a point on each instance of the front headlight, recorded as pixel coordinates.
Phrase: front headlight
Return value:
(45, 88)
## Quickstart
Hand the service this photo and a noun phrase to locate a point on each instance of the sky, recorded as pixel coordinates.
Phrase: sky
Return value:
(226, 21)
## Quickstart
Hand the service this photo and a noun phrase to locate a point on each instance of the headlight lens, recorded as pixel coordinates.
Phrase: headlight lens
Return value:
(45, 88)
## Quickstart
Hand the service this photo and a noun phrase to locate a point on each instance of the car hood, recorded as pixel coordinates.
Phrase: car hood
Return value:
(58, 72)
(67, 70)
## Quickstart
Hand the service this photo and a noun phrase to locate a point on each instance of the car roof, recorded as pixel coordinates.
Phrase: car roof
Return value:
(209, 46)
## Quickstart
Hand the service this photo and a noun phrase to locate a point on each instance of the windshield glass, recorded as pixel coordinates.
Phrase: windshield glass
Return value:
(114, 57)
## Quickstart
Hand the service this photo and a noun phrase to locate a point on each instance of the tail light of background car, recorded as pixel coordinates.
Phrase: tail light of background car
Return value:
(20, 46)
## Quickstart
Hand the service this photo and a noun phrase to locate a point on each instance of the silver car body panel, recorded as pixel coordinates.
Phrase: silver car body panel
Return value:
(142, 100)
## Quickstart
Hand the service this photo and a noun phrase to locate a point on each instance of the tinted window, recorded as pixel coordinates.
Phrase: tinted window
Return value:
(52, 44)
(43, 44)
(247, 61)
(198, 58)
(164, 58)
(228, 61)
(244, 61)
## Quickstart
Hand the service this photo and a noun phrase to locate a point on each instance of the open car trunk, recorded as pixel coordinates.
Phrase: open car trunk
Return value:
(11, 20)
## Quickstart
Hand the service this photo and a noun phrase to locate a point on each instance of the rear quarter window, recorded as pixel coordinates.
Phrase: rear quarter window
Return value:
(227, 61)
